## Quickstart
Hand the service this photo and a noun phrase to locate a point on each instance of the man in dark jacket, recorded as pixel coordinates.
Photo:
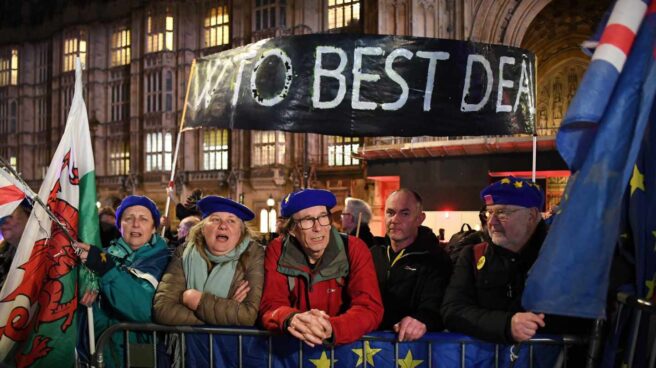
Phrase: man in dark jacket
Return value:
(413, 270)
(355, 220)
(483, 299)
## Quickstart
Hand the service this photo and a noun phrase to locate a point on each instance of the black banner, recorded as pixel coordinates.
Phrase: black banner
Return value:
(340, 84)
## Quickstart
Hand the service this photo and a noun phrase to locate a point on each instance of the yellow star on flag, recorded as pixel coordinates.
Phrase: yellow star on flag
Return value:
(408, 362)
(103, 257)
(637, 180)
(518, 184)
(369, 352)
(650, 289)
(505, 181)
(322, 362)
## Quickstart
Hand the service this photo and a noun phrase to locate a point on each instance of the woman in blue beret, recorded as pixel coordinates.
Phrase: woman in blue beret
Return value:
(216, 277)
(128, 270)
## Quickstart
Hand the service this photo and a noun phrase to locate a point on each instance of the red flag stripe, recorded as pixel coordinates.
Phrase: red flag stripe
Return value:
(619, 36)
(10, 193)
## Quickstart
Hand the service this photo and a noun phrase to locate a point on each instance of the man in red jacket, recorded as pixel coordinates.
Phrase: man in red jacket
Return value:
(319, 286)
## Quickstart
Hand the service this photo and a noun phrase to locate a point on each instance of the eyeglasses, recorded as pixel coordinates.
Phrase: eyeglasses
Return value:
(502, 214)
(307, 223)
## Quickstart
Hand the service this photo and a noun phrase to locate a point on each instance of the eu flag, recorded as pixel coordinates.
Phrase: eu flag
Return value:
(600, 141)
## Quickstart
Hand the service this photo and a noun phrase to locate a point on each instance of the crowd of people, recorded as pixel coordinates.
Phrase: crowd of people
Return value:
(311, 281)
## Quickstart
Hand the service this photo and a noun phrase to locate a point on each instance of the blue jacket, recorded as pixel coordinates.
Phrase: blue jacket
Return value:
(127, 290)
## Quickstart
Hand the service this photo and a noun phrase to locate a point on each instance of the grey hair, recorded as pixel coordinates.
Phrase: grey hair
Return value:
(357, 207)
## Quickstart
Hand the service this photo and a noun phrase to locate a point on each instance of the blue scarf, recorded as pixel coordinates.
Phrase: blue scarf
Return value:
(218, 281)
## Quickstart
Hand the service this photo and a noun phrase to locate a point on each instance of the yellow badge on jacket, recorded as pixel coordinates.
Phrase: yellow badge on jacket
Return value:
(480, 263)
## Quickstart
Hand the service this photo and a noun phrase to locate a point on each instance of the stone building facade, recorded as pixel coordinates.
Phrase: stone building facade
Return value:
(138, 54)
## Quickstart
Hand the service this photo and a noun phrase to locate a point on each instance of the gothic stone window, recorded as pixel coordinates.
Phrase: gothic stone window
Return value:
(215, 149)
(159, 151)
(268, 148)
(269, 14)
(159, 33)
(341, 150)
(120, 44)
(119, 157)
(343, 14)
(75, 44)
(216, 28)
(9, 68)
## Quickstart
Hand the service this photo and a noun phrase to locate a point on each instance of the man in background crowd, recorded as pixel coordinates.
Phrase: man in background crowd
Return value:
(357, 210)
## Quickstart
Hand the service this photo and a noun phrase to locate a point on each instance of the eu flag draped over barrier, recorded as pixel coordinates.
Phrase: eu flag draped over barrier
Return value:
(600, 140)
(434, 349)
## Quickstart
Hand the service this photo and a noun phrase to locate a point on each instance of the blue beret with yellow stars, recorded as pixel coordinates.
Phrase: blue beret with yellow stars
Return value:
(513, 191)
(306, 198)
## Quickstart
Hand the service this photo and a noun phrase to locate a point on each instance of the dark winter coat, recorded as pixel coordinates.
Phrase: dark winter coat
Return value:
(414, 285)
(481, 302)
(365, 234)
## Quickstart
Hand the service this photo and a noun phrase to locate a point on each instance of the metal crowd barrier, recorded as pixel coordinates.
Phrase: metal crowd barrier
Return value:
(642, 309)
(430, 340)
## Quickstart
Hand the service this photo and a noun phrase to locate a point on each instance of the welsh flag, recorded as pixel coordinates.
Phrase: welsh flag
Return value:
(39, 300)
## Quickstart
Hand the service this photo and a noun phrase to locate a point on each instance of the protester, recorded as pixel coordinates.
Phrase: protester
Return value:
(355, 209)
(463, 238)
(12, 228)
(320, 286)
(483, 298)
(216, 277)
(183, 230)
(129, 271)
(108, 229)
(189, 208)
(413, 270)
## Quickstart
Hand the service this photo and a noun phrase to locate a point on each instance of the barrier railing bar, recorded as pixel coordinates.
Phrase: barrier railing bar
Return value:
(240, 332)
(652, 358)
(462, 355)
(241, 352)
(155, 348)
(211, 349)
(183, 338)
(270, 351)
(126, 336)
(496, 355)
(300, 354)
(634, 335)
(396, 353)
(430, 355)
(530, 356)
(332, 357)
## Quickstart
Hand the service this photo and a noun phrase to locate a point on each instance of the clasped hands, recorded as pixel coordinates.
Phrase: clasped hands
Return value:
(311, 327)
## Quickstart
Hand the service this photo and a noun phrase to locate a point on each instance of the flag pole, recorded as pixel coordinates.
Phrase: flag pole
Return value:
(535, 130)
(169, 188)
(357, 229)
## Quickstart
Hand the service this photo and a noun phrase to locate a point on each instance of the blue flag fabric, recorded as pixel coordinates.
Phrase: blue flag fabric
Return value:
(438, 349)
(579, 127)
(570, 277)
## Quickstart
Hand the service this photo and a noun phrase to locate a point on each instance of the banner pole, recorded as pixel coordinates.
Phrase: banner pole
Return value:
(535, 130)
(169, 187)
